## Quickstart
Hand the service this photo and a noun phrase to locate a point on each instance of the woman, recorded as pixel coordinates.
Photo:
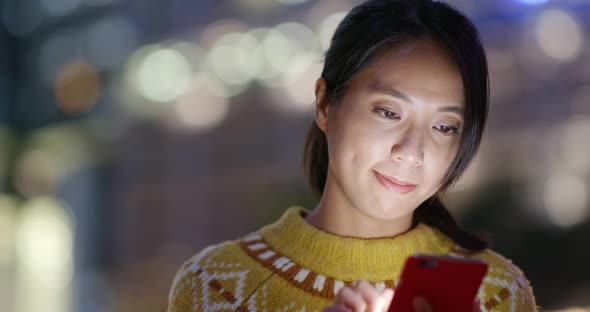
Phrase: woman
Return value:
(400, 110)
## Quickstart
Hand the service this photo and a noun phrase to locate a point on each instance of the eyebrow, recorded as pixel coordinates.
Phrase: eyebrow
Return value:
(402, 96)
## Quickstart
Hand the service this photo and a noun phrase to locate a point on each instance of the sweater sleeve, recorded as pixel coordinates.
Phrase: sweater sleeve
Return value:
(505, 288)
(181, 293)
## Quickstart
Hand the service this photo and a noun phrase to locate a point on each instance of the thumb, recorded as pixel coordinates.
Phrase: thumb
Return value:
(386, 297)
(421, 305)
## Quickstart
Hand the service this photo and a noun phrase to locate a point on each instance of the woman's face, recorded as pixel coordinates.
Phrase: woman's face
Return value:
(395, 132)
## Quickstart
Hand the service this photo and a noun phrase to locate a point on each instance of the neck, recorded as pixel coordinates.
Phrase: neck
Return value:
(346, 258)
(339, 217)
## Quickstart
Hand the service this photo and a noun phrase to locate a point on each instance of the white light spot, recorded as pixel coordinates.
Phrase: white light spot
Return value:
(289, 49)
(234, 58)
(552, 26)
(566, 199)
(45, 243)
(163, 75)
(203, 106)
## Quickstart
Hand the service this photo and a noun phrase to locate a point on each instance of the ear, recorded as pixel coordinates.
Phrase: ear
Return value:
(321, 105)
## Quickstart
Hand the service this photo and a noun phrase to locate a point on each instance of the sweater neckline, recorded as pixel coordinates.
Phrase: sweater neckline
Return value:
(349, 258)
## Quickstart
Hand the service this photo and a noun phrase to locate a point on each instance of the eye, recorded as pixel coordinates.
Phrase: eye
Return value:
(447, 130)
(387, 114)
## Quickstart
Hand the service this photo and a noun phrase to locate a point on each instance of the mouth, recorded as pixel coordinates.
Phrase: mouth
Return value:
(393, 184)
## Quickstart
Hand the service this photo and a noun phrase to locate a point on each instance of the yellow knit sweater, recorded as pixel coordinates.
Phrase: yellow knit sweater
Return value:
(292, 266)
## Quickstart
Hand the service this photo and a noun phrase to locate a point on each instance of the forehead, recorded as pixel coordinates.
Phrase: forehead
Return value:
(421, 69)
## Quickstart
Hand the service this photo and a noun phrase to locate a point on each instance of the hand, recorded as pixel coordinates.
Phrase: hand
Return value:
(362, 297)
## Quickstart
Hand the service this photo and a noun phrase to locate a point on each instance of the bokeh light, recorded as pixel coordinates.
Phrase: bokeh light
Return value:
(44, 245)
(45, 241)
(289, 48)
(37, 173)
(77, 87)
(532, 58)
(66, 147)
(162, 75)
(565, 199)
(22, 17)
(109, 41)
(551, 27)
(193, 53)
(203, 106)
(228, 59)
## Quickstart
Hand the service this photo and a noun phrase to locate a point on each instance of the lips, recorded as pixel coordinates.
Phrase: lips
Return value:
(393, 184)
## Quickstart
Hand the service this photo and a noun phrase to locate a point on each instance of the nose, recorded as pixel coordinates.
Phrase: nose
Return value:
(409, 149)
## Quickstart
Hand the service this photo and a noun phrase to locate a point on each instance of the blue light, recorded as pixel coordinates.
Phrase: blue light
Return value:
(532, 2)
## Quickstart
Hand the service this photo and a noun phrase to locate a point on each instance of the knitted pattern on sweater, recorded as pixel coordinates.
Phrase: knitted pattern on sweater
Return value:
(292, 266)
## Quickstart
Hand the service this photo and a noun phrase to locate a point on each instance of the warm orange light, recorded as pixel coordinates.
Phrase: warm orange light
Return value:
(77, 87)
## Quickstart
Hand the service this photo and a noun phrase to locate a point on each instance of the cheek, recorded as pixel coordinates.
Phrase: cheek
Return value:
(438, 164)
(357, 144)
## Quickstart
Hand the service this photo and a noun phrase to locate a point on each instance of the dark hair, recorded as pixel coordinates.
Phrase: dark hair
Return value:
(371, 29)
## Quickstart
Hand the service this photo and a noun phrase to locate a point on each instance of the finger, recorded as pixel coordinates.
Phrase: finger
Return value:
(387, 296)
(350, 298)
(370, 295)
(421, 305)
(476, 304)
(337, 308)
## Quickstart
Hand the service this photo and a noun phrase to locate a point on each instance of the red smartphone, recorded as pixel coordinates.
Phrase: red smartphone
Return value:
(448, 283)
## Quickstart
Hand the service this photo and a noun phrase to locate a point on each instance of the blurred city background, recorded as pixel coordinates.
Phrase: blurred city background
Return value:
(133, 133)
